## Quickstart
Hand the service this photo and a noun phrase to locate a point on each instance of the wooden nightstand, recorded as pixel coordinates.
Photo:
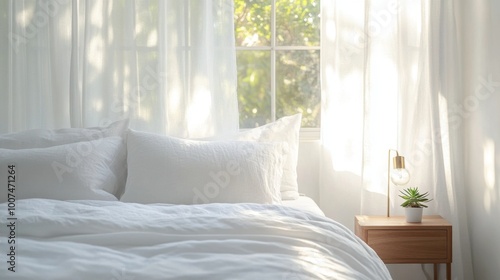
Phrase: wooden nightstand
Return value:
(397, 241)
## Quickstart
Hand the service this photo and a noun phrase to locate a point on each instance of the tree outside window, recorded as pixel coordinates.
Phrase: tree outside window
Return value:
(278, 60)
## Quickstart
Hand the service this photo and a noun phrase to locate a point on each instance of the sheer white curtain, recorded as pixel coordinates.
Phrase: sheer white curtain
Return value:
(391, 73)
(169, 66)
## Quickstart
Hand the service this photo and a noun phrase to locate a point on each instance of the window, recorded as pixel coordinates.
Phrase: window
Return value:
(278, 60)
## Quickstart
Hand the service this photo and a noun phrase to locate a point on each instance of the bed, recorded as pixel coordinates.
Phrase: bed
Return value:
(304, 203)
(113, 203)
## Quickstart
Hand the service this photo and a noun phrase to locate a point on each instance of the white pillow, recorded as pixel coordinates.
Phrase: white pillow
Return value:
(43, 138)
(80, 170)
(165, 169)
(286, 130)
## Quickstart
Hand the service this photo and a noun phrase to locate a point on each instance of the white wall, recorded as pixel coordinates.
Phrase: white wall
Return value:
(308, 168)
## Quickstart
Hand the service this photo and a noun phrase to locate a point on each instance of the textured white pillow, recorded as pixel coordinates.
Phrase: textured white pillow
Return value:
(43, 138)
(165, 169)
(286, 130)
(80, 170)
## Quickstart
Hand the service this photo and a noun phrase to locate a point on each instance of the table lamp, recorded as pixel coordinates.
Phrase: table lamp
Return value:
(398, 175)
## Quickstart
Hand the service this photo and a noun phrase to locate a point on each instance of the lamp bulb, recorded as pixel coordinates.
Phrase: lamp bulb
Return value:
(400, 176)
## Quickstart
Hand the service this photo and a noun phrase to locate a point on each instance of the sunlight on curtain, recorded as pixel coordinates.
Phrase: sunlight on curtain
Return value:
(360, 95)
(388, 69)
(169, 66)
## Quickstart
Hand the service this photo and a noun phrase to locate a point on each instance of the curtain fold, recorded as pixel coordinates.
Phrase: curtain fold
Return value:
(168, 66)
(392, 69)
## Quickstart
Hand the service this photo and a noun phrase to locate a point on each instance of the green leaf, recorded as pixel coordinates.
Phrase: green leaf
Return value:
(413, 198)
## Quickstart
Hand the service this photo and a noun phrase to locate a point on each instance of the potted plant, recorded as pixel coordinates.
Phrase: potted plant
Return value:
(414, 203)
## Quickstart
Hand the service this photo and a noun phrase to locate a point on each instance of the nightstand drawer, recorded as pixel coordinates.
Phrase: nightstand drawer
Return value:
(396, 241)
(399, 246)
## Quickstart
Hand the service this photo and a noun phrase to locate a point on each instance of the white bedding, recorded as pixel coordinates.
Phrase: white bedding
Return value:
(113, 240)
(304, 203)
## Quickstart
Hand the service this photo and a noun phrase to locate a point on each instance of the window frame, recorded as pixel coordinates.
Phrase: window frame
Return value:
(306, 133)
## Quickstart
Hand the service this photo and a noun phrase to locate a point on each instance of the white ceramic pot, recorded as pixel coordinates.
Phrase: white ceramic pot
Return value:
(413, 214)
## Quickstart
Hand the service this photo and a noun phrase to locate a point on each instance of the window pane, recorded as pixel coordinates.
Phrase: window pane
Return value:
(297, 22)
(252, 22)
(298, 85)
(146, 32)
(254, 87)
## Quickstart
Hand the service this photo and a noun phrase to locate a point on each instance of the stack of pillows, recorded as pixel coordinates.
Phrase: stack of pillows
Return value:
(115, 163)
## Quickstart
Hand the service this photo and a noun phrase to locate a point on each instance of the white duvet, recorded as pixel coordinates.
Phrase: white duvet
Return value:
(116, 240)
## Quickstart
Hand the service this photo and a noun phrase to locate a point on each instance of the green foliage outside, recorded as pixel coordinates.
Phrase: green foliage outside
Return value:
(297, 70)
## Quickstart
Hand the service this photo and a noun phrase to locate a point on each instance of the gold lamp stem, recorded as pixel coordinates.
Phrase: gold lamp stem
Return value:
(389, 181)
(398, 162)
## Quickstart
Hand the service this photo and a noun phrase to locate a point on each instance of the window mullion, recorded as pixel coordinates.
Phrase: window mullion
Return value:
(294, 51)
(273, 60)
